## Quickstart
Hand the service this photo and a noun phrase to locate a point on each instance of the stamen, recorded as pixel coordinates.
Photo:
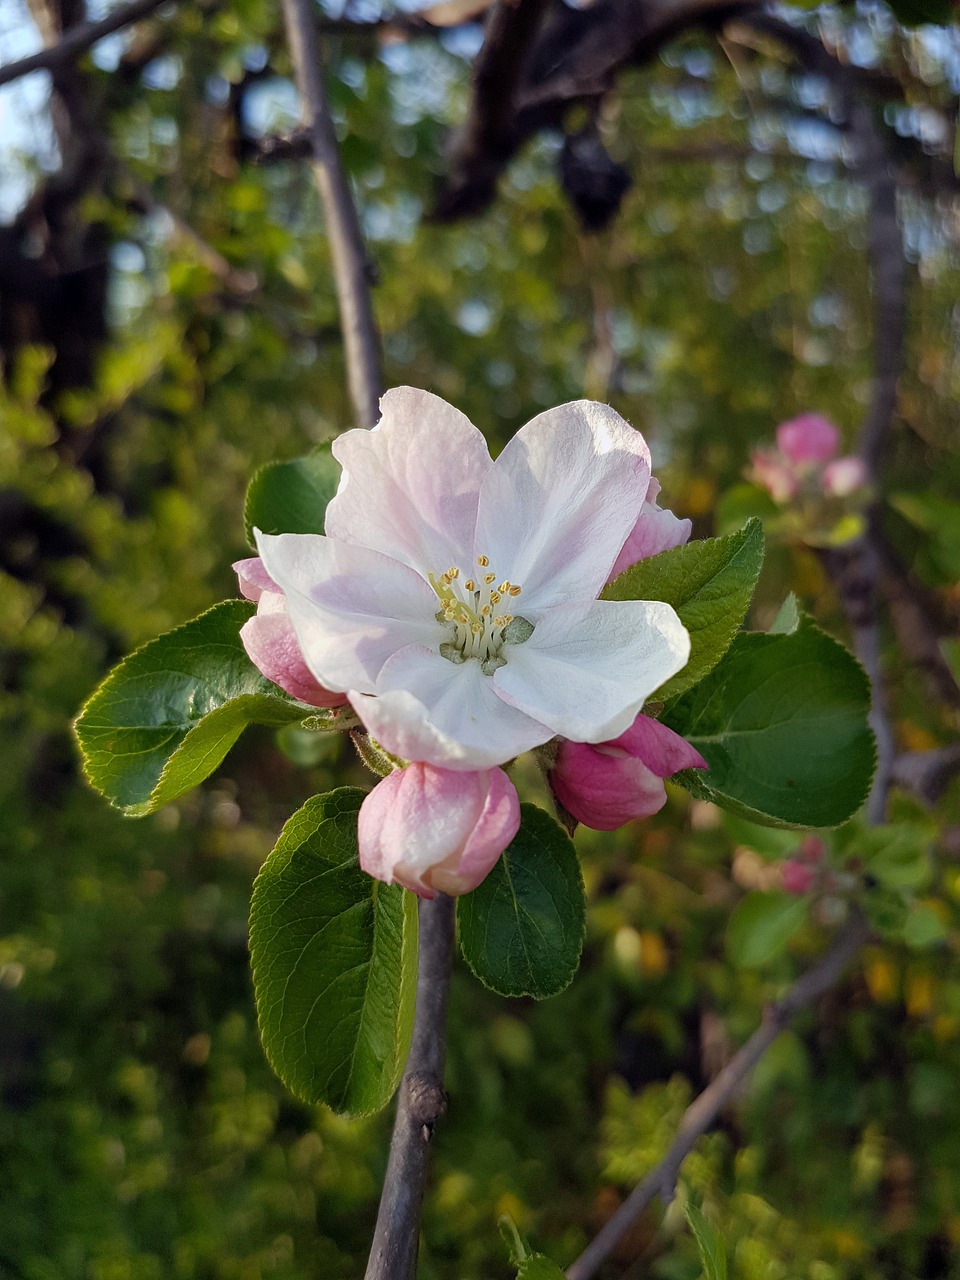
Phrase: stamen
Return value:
(495, 597)
(488, 578)
(452, 573)
(483, 561)
(514, 589)
(469, 585)
(485, 610)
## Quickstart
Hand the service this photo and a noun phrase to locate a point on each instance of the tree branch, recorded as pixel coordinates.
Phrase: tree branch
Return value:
(78, 39)
(420, 1102)
(351, 267)
(705, 1108)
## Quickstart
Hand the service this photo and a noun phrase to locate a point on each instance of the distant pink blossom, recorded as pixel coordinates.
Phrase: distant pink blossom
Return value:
(797, 877)
(436, 830)
(809, 438)
(805, 457)
(271, 642)
(609, 783)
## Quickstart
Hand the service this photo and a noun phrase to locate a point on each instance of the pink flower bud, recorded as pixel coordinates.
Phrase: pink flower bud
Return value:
(844, 476)
(772, 472)
(607, 784)
(809, 438)
(657, 529)
(436, 830)
(797, 877)
(811, 849)
(271, 642)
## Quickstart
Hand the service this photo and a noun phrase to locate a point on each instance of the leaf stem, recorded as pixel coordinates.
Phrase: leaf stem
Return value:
(420, 1102)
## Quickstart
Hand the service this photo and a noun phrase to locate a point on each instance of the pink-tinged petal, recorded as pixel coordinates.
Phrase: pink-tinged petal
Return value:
(604, 789)
(844, 476)
(446, 714)
(809, 438)
(775, 474)
(253, 578)
(436, 831)
(560, 501)
(586, 673)
(410, 485)
(272, 646)
(352, 607)
(797, 877)
(656, 530)
(661, 750)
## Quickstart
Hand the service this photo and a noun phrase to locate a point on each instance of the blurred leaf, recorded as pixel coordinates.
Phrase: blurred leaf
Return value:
(782, 723)
(539, 1267)
(923, 926)
(713, 1255)
(788, 617)
(741, 503)
(291, 497)
(164, 719)
(761, 927)
(897, 857)
(334, 962)
(710, 584)
(521, 931)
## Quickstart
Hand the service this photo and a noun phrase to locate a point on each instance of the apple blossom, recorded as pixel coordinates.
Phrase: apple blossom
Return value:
(844, 476)
(808, 438)
(454, 599)
(607, 784)
(805, 459)
(435, 830)
(271, 642)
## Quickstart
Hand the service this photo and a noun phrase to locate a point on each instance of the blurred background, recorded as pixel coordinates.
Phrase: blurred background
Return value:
(695, 244)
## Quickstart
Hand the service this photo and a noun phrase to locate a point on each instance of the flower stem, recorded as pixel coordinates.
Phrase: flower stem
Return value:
(420, 1102)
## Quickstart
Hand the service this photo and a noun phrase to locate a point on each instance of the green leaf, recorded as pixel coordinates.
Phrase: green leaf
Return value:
(537, 1266)
(521, 931)
(713, 1255)
(788, 617)
(897, 857)
(782, 723)
(334, 962)
(761, 926)
(710, 584)
(291, 497)
(163, 719)
(923, 926)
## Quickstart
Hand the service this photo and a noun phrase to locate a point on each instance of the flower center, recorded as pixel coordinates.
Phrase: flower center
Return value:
(475, 614)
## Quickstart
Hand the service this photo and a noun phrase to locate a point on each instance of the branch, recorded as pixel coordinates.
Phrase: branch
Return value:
(78, 39)
(420, 1103)
(927, 774)
(351, 268)
(705, 1108)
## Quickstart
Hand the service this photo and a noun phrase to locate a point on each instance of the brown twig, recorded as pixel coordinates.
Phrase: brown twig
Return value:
(420, 1103)
(78, 39)
(705, 1108)
(351, 268)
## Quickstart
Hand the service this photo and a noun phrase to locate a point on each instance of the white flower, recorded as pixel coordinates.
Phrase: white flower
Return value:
(454, 599)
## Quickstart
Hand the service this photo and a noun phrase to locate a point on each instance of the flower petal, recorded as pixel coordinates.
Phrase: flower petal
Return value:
(657, 529)
(443, 713)
(253, 578)
(410, 486)
(272, 646)
(603, 789)
(661, 750)
(560, 500)
(809, 438)
(586, 673)
(351, 607)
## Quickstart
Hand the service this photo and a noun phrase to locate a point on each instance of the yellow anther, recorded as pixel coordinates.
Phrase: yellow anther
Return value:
(488, 578)
(515, 590)
(477, 628)
(483, 561)
(485, 610)
(452, 573)
(504, 586)
(469, 585)
(502, 620)
(495, 597)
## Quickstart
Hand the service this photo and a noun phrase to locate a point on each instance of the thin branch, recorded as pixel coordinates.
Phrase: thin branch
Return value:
(78, 39)
(351, 268)
(420, 1103)
(927, 774)
(705, 1108)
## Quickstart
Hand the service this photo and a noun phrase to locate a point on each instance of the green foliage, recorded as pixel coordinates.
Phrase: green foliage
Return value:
(164, 719)
(522, 929)
(713, 1254)
(782, 723)
(538, 1267)
(291, 497)
(761, 927)
(334, 962)
(710, 584)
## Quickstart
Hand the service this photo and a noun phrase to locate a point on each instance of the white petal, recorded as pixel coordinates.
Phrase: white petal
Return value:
(587, 675)
(438, 712)
(351, 607)
(410, 486)
(561, 499)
